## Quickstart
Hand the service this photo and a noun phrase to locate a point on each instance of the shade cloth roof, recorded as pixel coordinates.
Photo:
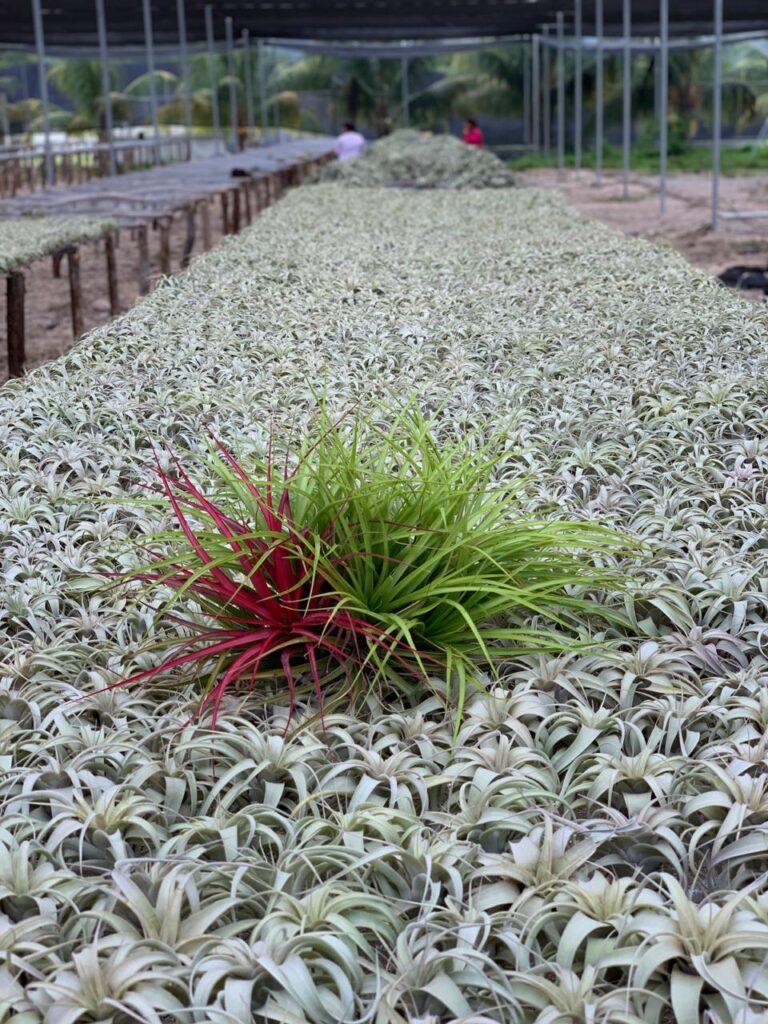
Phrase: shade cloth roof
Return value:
(72, 22)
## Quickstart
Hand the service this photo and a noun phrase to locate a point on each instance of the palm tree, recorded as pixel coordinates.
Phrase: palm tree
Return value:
(80, 81)
(368, 89)
(487, 81)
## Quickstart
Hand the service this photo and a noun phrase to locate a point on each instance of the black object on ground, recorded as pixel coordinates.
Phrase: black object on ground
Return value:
(752, 278)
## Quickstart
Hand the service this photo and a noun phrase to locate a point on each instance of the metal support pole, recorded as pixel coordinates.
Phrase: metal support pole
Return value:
(536, 94)
(106, 89)
(599, 105)
(149, 42)
(42, 78)
(526, 96)
(214, 78)
(233, 119)
(547, 66)
(627, 96)
(262, 91)
(181, 15)
(560, 58)
(717, 112)
(663, 102)
(248, 81)
(406, 91)
(578, 85)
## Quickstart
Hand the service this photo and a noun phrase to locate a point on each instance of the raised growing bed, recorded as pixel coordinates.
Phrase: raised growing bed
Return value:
(596, 836)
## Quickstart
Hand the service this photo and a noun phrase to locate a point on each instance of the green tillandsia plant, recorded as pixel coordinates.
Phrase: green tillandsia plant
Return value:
(374, 555)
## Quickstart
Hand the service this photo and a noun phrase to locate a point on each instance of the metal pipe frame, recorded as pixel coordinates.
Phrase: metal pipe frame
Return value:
(560, 72)
(599, 104)
(42, 78)
(181, 16)
(536, 94)
(547, 95)
(150, 51)
(626, 142)
(526, 95)
(106, 89)
(578, 85)
(406, 97)
(248, 81)
(717, 111)
(229, 36)
(663, 101)
(262, 91)
(215, 114)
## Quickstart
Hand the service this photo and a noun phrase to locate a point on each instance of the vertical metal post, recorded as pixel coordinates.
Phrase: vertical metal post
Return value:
(248, 81)
(560, 58)
(406, 91)
(526, 97)
(150, 45)
(181, 16)
(233, 119)
(717, 112)
(578, 85)
(547, 98)
(262, 91)
(663, 102)
(599, 104)
(42, 78)
(626, 141)
(536, 97)
(106, 89)
(214, 78)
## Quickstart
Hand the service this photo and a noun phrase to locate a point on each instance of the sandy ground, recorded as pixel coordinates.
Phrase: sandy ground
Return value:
(686, 223)
(685, 226)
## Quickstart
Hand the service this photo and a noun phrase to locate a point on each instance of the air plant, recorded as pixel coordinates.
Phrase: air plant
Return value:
(375, 555)
(26, 239)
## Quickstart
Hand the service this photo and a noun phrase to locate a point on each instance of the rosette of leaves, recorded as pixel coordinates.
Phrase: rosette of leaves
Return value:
(373, 556)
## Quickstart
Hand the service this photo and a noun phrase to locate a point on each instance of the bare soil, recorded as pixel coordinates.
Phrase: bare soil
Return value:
(686, 223)
(685, 226)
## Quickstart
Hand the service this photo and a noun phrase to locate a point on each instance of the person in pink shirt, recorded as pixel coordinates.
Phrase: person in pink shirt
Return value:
(472, 133)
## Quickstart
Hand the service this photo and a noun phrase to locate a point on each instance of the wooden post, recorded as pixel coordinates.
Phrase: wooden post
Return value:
(236, 210)
(246, 189)
(205, 209)
(75, 291)
(165, 245)
(143, 251)
(189, 241)
(224, 213)
(15, 322)
(56, 262)
(114, 297)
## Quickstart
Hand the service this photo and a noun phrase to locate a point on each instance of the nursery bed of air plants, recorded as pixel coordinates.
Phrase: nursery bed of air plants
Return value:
(592, 844)
(413, 159)
(26, 239)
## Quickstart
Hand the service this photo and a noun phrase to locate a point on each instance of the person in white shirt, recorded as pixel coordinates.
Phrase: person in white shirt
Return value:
(350, 143)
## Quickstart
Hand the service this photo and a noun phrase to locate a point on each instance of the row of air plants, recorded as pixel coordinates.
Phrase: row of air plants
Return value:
(420, 160)
(374, 555)
(26, 239)
(592, 844)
